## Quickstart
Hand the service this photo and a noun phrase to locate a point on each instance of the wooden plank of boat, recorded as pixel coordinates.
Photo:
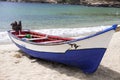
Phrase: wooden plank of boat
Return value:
(54, 41)
(21, 35)
(36, 37)
(31, 39)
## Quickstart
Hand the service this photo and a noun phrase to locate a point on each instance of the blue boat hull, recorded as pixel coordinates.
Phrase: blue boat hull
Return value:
(87, 60)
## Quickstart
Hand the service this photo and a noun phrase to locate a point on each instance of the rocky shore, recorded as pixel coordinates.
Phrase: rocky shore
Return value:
(102, 3)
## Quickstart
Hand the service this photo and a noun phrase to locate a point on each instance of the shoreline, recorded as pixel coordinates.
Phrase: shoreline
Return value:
(17, 66)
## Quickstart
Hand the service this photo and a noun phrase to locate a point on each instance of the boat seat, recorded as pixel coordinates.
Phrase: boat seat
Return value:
(31, 39)
(35, 37)
(54, 41)
(39, 38)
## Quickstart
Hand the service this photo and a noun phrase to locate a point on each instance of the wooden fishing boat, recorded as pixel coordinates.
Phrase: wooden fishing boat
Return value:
(85, 53)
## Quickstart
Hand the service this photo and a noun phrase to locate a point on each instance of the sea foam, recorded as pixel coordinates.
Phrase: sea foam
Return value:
(72, 32)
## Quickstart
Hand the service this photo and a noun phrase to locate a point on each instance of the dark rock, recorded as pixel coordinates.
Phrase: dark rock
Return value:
(97, 3)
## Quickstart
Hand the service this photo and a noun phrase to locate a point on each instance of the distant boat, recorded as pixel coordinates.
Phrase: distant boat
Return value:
(85, 53)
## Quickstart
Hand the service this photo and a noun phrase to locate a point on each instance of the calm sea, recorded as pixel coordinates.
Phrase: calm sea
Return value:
(39, 16)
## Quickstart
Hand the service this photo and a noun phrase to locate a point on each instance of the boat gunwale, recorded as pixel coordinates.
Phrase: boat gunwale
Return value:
(96, 34)
(66, 42)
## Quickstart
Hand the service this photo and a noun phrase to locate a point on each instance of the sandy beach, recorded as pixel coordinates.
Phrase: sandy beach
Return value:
(15, 65)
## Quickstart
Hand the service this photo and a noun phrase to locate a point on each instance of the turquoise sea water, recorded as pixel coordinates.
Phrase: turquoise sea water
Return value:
(39, 16)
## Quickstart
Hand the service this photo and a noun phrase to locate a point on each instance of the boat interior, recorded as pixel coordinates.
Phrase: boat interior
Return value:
(38, 37)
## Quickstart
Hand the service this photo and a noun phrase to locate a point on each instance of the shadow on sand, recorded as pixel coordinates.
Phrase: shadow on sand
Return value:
(102, 73)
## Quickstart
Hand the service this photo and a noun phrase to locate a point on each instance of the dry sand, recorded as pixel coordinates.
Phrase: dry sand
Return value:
(16, 66)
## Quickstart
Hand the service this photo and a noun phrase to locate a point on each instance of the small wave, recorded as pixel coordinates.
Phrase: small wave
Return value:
(63, 32)
(72, 32)
(4, 38)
